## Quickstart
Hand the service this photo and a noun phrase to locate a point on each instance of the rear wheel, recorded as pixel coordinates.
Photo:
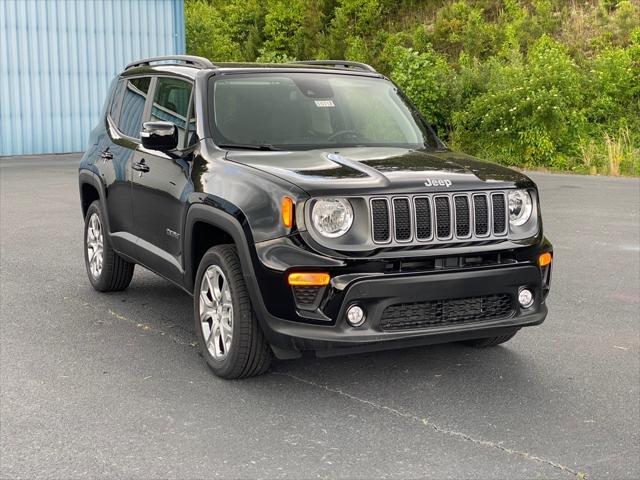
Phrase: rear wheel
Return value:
(107, 271)
(230, 338)
(490, 341)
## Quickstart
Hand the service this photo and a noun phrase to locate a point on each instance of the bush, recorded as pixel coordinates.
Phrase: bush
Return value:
(536, 83)
(283, 31)
(207, 33)
(460, 27)
(424, 77)
(612, 154)
(353, 19)
(531, 113)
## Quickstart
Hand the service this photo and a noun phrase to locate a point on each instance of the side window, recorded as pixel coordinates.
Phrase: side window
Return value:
(116, 100)
(135, 95)
(171, 104)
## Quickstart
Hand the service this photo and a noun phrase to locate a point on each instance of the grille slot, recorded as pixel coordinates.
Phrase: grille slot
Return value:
(443, 217)
(435, 313)
(481, 214)
(402, 219)
(423, 218)
(380, 220)
(499, 213)
(463, 220)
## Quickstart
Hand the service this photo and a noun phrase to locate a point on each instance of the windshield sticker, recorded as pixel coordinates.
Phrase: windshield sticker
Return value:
(324, 103)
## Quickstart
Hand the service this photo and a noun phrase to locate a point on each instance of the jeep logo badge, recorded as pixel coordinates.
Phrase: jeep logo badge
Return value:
(438, 183)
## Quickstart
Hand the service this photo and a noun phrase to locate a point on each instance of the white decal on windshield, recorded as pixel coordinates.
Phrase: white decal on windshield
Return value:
(324, 103)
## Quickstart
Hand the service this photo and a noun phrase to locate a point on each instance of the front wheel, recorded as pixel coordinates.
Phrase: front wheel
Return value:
(107, 271)
(230, 338)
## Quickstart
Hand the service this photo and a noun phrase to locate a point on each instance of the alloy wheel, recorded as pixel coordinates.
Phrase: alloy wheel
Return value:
(216, 312)
(95, 245)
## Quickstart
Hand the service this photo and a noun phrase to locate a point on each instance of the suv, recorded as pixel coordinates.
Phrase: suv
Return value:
(306, 207)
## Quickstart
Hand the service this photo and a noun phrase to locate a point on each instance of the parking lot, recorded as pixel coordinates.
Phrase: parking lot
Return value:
(111, 384)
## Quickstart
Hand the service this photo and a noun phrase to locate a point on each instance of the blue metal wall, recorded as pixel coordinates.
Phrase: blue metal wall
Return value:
(57, 58)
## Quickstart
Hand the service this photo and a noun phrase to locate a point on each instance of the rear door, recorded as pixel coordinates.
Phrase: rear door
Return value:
(162, 182)
(116, 156)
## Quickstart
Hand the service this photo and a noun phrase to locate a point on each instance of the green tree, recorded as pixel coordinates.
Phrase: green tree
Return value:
(207, 34)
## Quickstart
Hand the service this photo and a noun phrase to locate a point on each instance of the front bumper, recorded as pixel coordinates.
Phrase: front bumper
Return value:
(377, 293)
(292, 330)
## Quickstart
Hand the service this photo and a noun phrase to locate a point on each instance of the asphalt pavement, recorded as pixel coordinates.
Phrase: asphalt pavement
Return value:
(110, 385)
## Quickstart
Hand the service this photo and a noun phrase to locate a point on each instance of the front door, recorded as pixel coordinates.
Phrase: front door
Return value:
(162, 184)
(116, 155)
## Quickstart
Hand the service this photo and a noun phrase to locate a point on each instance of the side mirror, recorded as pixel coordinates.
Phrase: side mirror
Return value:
(159, 136)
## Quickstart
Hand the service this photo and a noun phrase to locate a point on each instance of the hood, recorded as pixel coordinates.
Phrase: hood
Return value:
(373, 170)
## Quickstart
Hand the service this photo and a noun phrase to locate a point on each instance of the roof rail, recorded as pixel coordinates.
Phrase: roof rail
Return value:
(188, 60)
(339, 64)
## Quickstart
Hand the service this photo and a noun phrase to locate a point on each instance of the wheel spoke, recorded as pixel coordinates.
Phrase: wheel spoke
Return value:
(223, 333)
(211, 337)
(226, 327)
(205, 314)
(226, 294)
(217, 279)
(209, 285)
(204, 298)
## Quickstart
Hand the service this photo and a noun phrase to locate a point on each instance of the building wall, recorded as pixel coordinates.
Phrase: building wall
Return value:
(57, 58)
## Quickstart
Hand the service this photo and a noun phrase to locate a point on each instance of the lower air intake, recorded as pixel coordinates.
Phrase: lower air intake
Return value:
(436, 313)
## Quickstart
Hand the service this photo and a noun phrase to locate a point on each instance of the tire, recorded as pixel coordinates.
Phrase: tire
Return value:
(222, 306)
(110, 272)
(490, 341)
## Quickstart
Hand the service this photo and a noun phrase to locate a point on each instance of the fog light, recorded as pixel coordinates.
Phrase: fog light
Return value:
(525, 297)
(355, 316)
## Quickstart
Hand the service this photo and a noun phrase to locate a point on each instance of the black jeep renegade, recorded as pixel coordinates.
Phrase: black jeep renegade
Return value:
(306, 207)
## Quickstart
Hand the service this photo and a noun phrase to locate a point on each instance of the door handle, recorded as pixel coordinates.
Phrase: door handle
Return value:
(106, 154)
(141, 167)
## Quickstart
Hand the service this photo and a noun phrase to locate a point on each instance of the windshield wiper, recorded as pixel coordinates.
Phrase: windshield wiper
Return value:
(239, 146)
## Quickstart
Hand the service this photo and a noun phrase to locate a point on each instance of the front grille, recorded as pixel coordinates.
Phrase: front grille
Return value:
(439, 218)
(435, 313)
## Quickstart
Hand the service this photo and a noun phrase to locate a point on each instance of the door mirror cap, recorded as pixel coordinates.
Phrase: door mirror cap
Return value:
(161, 136)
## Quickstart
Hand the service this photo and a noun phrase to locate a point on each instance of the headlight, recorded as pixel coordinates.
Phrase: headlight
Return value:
(332, 217)
(520, 207)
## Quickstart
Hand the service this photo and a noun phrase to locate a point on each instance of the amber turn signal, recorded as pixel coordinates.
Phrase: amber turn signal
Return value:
(309, 279)
(544, 259)
(287, 212)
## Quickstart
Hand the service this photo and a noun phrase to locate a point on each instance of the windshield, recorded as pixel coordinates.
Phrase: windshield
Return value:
(310, 110)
